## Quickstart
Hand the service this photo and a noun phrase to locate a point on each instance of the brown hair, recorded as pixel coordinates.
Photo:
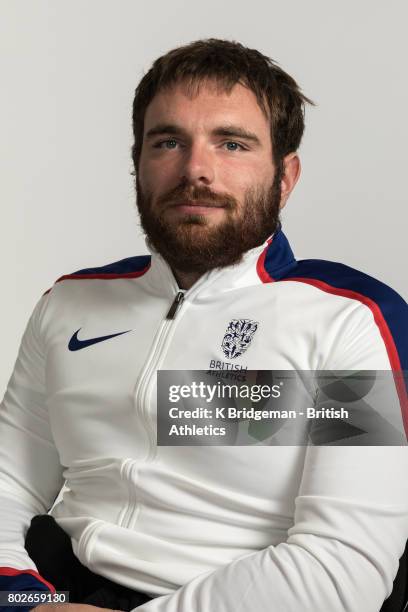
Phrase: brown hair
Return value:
(227, 63)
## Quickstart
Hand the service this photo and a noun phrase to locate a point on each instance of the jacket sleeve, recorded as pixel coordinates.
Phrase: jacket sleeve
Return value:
(30, 471)
(350, 526)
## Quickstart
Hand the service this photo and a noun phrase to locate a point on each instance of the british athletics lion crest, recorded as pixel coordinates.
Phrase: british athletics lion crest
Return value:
(238, 337)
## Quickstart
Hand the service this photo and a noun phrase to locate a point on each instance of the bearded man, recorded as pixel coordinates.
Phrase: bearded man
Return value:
(217, 127)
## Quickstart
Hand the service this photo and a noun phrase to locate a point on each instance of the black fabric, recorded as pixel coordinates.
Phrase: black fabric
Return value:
(50, 548)
(399, 596)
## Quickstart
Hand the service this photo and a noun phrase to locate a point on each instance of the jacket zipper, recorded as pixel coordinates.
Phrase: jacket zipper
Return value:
(178, 300)
(147, 378)
(144, 387)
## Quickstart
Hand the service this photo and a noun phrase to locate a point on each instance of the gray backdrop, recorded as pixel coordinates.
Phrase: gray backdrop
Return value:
(68, 73)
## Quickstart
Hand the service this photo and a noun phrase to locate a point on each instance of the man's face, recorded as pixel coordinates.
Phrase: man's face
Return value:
(207, 190)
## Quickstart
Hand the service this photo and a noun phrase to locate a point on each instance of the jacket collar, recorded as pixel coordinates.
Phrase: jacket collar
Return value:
(277, 259)
(266, 263)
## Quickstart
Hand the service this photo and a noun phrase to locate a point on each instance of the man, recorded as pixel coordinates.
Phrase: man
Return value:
(217, 127)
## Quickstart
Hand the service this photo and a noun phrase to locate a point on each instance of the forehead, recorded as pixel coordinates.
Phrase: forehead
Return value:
(206, 106)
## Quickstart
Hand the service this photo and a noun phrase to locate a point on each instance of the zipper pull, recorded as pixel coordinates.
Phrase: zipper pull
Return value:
(178, 300)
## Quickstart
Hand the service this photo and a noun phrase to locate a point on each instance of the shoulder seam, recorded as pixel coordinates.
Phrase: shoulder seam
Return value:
(83, 274)
(363, 299)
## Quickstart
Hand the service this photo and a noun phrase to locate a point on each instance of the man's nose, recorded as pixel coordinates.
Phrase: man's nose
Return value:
(198, 166)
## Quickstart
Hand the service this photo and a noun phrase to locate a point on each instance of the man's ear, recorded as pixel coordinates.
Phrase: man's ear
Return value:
(291, 173)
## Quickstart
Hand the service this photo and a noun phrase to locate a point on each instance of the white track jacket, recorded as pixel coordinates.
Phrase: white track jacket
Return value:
(203, 529)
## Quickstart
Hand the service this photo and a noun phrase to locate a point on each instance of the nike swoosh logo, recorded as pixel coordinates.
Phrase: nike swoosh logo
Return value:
(76, 345)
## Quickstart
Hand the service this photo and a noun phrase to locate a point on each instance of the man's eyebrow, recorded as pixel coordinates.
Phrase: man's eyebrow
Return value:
(232, 131)
(165, 128)
(236, 131)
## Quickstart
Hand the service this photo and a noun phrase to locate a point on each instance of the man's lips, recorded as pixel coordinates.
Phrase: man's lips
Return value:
(197, 207)
(198, 203)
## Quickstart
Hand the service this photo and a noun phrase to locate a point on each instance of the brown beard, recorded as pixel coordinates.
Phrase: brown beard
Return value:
(189, 245)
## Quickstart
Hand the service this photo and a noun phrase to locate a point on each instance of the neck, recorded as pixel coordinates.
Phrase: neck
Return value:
(185, 280)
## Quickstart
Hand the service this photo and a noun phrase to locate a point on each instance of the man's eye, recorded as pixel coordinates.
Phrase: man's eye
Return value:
(170, 143)
(234, 146)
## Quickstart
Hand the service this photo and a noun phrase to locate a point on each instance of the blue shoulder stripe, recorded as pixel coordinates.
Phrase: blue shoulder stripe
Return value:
(348, 281)
(131, 267)
(124, 266)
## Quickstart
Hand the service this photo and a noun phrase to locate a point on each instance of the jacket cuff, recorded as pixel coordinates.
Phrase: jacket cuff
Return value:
(22, 580)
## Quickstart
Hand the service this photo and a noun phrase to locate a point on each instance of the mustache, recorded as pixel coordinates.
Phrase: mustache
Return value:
(197, 194)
